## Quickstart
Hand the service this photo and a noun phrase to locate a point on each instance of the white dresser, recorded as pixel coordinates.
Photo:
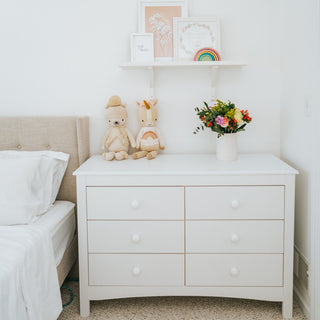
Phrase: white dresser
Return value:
(186, 225)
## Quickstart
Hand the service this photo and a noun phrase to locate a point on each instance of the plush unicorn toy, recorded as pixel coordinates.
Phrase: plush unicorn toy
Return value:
(149, 140)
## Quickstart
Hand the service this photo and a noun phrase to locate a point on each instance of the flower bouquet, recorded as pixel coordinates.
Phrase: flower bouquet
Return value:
(222, 118)
(225, 119)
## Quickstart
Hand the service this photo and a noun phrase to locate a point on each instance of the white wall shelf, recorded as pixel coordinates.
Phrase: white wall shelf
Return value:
(172, 64)
(214, 65)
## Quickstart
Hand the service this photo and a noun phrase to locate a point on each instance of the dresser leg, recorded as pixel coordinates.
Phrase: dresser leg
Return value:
(84, 307)
(287, 309)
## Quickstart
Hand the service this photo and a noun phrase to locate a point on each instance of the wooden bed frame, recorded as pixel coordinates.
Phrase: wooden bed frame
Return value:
(65, 134)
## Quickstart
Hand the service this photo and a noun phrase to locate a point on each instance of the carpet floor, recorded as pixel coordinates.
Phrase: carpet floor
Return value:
(175, 308)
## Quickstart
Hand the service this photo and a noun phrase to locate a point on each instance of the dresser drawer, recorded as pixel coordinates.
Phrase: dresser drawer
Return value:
(134, 203)
(243, 202)
(247, 270)
(136, 236)
(261, 236)
(136, 269)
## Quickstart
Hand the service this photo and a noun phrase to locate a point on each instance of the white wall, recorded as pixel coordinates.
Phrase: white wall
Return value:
(61, 58)
(300, 113)
(297, 127)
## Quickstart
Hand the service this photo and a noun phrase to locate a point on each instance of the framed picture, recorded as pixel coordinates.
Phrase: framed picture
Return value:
(157, 17)
(193, 34)
(142, 47)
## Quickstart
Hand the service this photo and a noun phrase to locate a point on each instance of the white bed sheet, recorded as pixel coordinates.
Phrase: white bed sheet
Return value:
(29, 286)
(60, 221)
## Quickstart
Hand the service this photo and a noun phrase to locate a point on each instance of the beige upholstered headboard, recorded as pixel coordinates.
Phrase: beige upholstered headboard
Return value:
(65, 134)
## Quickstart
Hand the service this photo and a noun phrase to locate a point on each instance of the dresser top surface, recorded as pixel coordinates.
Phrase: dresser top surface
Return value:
(187, 164)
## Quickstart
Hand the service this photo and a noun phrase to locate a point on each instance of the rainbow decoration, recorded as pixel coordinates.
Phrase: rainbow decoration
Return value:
(207, 54)
(149, 134)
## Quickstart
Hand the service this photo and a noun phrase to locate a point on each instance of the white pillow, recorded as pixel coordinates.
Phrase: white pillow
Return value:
(29, 183)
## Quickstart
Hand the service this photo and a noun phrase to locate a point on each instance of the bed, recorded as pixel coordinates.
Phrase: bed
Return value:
(65, 134)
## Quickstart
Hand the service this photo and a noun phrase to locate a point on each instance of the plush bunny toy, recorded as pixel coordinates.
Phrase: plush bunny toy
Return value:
(149, 140)
(117, 138)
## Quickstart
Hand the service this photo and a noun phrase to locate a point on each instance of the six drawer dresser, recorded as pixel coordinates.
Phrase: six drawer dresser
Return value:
(186, 225)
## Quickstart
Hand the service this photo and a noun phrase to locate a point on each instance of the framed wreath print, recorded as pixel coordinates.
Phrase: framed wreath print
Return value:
(157, 17)
(142, 47)
(193, 34)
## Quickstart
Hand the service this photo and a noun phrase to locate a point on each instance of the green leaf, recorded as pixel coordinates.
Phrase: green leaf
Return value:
(207, 106)
(242, 127)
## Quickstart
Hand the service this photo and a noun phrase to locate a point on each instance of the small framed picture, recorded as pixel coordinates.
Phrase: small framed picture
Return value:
(157, 17)
(193, 34)
(142, 47)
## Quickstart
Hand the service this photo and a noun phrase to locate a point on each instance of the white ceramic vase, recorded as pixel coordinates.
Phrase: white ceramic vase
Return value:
(227, 147)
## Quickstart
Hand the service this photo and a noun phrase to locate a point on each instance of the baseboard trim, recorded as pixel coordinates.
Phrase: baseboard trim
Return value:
(302, 302)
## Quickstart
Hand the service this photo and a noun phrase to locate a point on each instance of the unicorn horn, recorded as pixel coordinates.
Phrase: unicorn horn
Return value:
(146, 104)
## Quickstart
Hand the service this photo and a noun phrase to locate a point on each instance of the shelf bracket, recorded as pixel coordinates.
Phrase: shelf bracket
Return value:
(214, 82)
(151, 82)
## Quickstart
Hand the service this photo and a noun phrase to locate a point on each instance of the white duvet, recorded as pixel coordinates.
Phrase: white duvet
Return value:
(29, 287)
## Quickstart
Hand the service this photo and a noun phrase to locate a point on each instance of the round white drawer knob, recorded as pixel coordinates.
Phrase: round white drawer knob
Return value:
(135, 237)
(136, 271)
(135, 204)
(235, 204)
(234, 272)
(235, 238)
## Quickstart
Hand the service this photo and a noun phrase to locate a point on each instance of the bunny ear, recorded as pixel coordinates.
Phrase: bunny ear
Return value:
(146, 104)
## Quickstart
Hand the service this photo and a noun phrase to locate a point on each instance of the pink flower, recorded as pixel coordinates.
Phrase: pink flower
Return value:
(222, 121)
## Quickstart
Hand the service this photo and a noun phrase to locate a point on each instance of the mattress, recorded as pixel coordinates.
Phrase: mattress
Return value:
(60, 221)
